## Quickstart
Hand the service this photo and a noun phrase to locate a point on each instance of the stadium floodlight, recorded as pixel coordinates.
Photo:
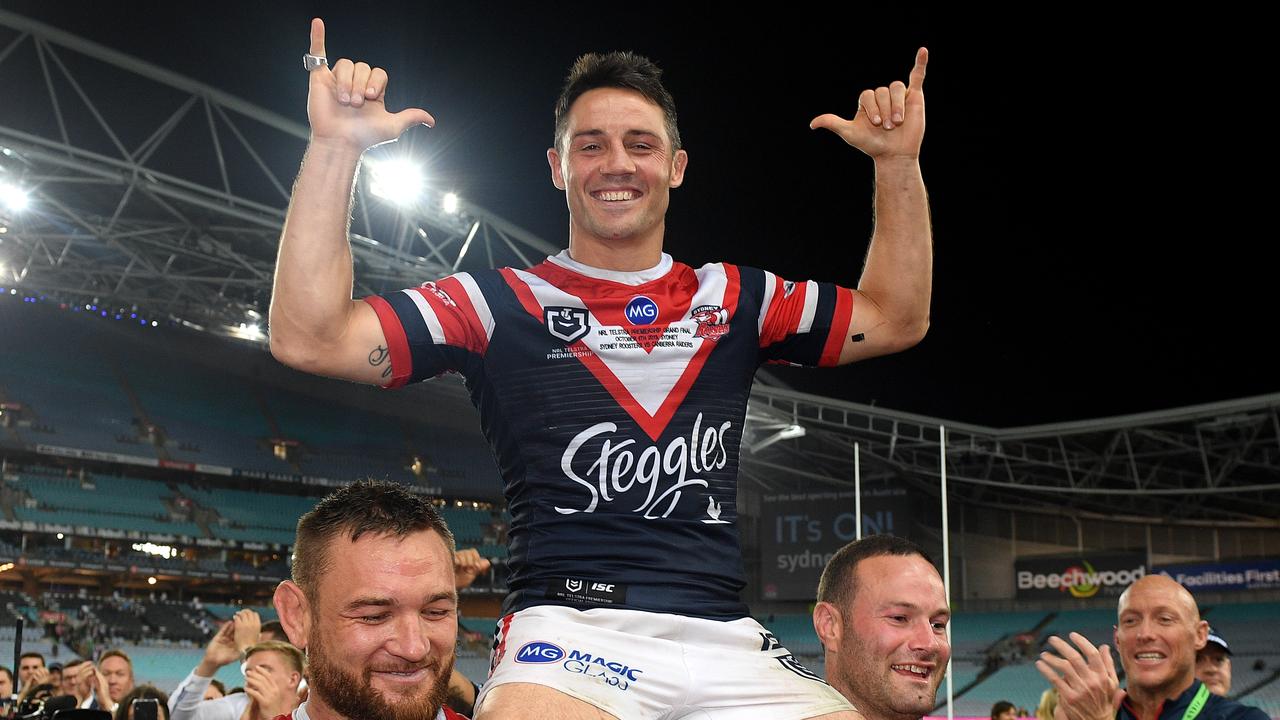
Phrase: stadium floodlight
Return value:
(450, 202)
(784, 432)
(151, 580)
(398, 180)
(14, 197)
(248, 331)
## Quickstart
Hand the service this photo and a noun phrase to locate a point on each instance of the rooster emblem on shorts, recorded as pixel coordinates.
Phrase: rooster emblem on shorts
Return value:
(713, 510)
(713, 322)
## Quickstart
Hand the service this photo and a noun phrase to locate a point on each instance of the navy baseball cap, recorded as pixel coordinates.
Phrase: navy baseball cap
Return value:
(1216, 638)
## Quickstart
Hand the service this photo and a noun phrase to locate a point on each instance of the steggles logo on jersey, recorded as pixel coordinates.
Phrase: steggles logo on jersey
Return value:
(713, 322)
(619, 468)
(569, 324)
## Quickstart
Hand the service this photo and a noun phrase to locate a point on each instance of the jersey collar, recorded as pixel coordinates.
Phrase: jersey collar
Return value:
(639, 277)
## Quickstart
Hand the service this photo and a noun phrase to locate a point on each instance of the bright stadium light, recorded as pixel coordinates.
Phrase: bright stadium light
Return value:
(13, 197)
(398, 180)
(151, 580)
(450, 203)
(248, 331)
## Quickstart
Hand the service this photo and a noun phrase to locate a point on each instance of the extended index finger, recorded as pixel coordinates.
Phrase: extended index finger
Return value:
(917, 72)
(317, 37)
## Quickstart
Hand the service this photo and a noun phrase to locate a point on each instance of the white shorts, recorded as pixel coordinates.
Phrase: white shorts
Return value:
(639, 665)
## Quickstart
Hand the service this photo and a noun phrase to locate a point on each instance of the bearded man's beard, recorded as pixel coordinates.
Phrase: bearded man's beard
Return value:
(355, 697)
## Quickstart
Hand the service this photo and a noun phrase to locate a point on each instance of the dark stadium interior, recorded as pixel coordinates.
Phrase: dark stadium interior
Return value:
(155, 458)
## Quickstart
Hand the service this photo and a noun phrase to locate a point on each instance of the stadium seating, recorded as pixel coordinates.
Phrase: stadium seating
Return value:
(206, 409)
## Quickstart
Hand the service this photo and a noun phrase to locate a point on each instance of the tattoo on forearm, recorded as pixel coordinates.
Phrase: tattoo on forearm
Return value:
(379, 356)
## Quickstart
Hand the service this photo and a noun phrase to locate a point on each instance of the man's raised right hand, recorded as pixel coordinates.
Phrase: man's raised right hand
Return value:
(345, 102)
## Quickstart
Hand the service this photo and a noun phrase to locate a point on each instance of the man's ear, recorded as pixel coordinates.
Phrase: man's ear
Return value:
(294, 611)
(1202, 634)
(677, 170)
(557, 172)
(829, 625)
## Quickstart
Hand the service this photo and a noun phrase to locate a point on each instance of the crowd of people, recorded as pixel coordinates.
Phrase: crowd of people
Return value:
(368, 625)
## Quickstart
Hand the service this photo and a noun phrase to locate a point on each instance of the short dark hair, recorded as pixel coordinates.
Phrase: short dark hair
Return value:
(26, 655)
(273, 627)
(625, 70)
(365, 506)
(839, 580)
(1001, 707)
(8, 672)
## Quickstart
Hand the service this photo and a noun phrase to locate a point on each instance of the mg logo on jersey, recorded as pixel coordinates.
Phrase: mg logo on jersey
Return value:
(539, 652)
(569, 324)
(641, 311)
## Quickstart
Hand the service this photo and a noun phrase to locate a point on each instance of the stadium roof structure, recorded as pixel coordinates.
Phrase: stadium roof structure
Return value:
(153, 191)
(1217, 463)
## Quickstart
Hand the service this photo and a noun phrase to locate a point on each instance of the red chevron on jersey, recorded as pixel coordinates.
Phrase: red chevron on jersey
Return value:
(611, 300)
(647, 379)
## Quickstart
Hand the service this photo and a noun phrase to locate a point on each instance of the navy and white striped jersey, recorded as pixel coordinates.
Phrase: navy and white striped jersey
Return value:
(614, 403)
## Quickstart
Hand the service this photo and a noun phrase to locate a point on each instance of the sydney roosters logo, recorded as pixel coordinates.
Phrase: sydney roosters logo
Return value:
(713, 322)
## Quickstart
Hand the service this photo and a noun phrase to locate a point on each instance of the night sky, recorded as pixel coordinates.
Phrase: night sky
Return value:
(1097, 182)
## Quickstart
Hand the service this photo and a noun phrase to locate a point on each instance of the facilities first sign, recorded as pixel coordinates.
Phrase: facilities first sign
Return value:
(799, 534)
(1078, 576)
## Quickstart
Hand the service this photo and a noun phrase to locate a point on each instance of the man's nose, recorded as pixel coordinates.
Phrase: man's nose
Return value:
(410, 642)
(618, 161)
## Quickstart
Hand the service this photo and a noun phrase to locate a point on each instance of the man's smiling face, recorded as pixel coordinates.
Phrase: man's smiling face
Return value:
(617, 167)
(894, 650)
(1157, 636)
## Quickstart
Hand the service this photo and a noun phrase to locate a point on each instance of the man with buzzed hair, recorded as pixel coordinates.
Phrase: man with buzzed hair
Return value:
(882, 617)
(374, 605)
(1157, 634)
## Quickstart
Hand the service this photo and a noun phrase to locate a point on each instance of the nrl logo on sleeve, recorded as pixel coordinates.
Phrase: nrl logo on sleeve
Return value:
(569, 324)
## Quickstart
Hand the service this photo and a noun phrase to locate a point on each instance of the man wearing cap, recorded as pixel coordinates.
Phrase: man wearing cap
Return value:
(1213, 664)
(1157, 635)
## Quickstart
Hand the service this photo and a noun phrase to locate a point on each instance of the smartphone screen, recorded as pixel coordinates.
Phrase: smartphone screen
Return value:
(146, 709)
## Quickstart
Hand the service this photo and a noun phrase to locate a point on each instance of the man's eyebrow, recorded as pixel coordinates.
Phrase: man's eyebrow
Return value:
(598, 132)
(369, 602)
(451, 595)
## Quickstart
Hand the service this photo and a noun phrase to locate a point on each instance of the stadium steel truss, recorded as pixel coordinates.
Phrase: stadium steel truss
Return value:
(156, 192)
(1217, 463)
(152, 190)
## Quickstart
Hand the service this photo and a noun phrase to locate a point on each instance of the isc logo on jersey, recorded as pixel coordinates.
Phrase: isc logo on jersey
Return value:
(539, 652)
(641, 311)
